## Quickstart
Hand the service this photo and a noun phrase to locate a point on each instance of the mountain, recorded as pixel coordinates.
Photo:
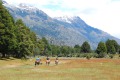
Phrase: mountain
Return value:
(60, 30)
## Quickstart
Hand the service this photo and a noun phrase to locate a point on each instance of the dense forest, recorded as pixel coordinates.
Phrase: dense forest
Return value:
(17, 40)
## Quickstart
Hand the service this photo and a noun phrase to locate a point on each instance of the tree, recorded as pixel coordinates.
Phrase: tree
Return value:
(101, 49)
(112, 51)
(44, 46)
(77, 48)
(7, 35)
(115, 44)
(1, 2)
(26, 40)
(119, 49)
(16, 39)
(55, 50)
(85, 48)
(112, 46)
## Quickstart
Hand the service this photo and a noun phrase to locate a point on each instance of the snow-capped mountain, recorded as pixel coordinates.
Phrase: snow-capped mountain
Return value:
(62, 30)
(67, 19)
(26, 7)
(21, 6)
(4, 2)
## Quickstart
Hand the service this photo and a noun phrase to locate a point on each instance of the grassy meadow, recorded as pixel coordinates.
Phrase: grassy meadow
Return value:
(67, 69)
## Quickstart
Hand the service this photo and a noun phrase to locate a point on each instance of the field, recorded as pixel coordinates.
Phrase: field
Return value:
(67, 69)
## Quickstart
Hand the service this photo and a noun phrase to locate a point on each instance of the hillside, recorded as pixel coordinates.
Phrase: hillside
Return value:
(60, 30)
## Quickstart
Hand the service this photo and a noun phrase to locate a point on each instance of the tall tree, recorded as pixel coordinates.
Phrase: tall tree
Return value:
(77, 48)
(43, 45)
(101, 49)
(115, 44)
(119, 49)
(112, 46)
(25, 38)
(112, 51)
(7, 35)
(85, 48)
(44, 40)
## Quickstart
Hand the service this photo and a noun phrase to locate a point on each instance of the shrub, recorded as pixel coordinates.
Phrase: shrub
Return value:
(88, 56)
(111, 56)
(95, 55)
(78, 55)
(101, 55)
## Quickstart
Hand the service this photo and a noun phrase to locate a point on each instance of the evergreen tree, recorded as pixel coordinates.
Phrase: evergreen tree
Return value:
(85, 48)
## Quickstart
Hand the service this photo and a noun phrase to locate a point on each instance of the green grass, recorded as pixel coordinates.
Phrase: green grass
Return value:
(68, 69)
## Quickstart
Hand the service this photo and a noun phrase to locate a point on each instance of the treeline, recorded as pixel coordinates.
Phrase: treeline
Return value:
(17, 40)
(104, 49)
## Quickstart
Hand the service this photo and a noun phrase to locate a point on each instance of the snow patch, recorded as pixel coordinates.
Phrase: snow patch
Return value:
(67, 19)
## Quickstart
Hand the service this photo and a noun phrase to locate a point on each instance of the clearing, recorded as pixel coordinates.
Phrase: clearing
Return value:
(67, 69)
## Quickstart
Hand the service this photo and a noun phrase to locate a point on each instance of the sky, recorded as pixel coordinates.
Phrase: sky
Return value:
(101, 14)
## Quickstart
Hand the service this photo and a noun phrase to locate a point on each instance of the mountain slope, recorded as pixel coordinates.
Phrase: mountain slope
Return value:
(62, 30)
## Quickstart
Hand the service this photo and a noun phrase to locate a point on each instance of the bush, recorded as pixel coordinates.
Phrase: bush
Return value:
(101, 55)
(78, 55)
(83, 55)
(111, 55)
(88, 56)
(95, 55)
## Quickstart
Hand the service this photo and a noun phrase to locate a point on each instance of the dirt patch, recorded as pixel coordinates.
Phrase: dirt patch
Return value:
(8, 66)
(11, 66)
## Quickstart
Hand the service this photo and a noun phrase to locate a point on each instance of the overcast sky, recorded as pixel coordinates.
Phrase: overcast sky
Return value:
(101, 14)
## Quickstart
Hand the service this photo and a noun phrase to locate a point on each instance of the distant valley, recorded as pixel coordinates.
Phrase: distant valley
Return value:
(60, 30)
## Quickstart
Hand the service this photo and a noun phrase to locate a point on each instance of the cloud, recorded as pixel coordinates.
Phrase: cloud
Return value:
(88, 11)
(115, 0)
